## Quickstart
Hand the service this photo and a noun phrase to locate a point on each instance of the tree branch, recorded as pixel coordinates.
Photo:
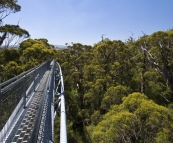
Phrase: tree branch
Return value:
(164, 97)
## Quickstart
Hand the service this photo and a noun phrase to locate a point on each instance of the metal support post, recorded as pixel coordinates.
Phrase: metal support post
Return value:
(47, 63)
(35, 76)
(0, 87)
(24, 91)
(39, 75)
(0, 97)
(63, 128)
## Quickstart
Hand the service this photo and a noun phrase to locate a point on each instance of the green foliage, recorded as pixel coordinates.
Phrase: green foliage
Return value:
(96, 118)
(15, 30)
(10, 70)
(137, 119)
(113, 96)
(7, 7)
(115, 91)
(31, 53)
(10, 55)
(37, 49)
(102, 76)
(10, 35)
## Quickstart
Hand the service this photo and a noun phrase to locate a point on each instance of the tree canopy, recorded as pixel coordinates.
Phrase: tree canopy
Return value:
(115, 91)
(119, 91)
(10, 35)
(7, 7)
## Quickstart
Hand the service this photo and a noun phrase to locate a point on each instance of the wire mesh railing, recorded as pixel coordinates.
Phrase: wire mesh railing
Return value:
(15, 92)
(43, 127)
(61, 104)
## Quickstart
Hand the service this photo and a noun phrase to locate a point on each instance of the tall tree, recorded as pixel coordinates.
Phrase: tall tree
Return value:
(159, 50)
(36, 49)
(10, 34)
(137, 119)
(7, 7)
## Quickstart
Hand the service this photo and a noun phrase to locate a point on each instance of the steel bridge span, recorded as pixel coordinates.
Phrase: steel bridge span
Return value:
(29, 103)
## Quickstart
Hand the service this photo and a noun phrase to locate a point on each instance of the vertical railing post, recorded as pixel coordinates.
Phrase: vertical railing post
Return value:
(24, 91)
(47, 63)
(52, 98)
(39, 74)
(35, 76)
(0, 100)
(63, 128)
(0, 87)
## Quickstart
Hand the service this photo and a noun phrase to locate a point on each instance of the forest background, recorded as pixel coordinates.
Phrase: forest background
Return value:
(115, 91)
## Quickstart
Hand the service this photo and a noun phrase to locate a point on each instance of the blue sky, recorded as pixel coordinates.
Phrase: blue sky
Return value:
(84, 21)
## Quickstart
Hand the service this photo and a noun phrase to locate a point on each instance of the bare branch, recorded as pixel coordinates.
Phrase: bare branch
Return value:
(151, 58)
(164, 97)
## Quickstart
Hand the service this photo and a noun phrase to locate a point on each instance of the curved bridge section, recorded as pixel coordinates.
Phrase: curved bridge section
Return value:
(28, 106)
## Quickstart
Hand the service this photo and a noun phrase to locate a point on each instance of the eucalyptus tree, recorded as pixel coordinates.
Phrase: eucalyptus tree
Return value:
(7, 7)
(73, 60)
(10, 35)
(137, 119)
(110, 66)
(159, 50)
(36, 50)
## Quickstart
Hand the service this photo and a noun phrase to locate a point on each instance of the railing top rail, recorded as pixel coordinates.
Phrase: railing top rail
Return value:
(19, 76)
(63, 128)
(32, 73)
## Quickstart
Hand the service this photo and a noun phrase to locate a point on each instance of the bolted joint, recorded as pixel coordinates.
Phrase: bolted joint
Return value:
(48, 91)
(57, 94)
(57, 77)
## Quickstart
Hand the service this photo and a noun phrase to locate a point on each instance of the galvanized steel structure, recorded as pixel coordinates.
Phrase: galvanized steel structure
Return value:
(27, 108)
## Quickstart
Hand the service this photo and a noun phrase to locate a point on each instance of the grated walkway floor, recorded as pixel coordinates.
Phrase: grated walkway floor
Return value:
(23, 129)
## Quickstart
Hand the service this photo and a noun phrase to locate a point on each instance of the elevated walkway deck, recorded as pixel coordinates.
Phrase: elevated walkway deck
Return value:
(26, 120)
(28, 105)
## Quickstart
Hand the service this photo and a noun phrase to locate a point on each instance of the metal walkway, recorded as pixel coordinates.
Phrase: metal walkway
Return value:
(29, 101)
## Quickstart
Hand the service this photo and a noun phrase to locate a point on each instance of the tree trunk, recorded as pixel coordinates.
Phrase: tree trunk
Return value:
(3, 38)
(142, 76)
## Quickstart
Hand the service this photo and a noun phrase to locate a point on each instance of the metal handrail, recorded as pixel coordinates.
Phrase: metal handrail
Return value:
(63, 128)
(35, 132)
(16, 77)
(11, 84)
(20, 75)
(32, 75)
